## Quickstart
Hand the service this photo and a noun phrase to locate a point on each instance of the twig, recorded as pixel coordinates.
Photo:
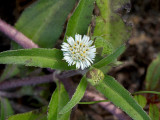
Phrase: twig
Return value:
(107, 105)
(71, 73)
(20, 108)
(14, 83)
(9, 95)
(9, 84)
(15, 35)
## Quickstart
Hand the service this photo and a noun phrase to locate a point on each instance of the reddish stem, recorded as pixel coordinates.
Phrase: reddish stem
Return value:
(15, 35)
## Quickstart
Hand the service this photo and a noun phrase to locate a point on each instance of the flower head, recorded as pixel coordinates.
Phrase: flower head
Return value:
(79, 51)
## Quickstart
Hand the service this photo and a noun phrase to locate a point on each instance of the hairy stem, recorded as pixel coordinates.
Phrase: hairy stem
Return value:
(16, 36)
(9, 84)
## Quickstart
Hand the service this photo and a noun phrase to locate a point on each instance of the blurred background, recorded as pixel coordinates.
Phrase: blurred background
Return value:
(143, 47)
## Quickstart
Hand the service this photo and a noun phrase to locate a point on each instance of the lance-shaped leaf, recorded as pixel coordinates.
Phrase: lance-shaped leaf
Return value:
(141, 100)
(76, 97)
(5, 109)
(101, 43)
(93, 102)
(44, 20)
(40, 114)
(9, 71)
(121, 98)
(153, 74)
(38, 57)
(59, 99)
(154, 112)
(110, 58)
(81, 18)
(109, 24)
(151, 92)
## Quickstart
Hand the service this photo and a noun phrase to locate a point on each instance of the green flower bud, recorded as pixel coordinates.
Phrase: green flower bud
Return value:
(95, 76)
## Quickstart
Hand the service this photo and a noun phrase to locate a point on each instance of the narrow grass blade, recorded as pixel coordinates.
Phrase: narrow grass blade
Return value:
(76, 97)
(110, 58)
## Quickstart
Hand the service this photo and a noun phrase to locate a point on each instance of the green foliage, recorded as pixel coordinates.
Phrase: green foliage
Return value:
(9, 71)
(40, 114)
(38, 57)
(5, 109)
(153, 74)
(93, 102)
(154, 112)
(76, 97)
(59, 99)
(83, 84)
(121, 98)
(141, 100)
(43, 21)
(110, 58)
(152, 92)
(107, 48)
(81, 18)
(109, 25)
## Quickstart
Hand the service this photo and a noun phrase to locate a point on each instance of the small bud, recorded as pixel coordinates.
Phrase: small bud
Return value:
(95, 76)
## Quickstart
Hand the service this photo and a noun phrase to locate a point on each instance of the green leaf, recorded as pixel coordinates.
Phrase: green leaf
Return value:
(93, 102)
(109, 24)
(43, 21)
(76, 97)
(107, 48)
(81, 18)
(153, 74)
(9, 71)
(152, 92)
(154, 112)
(141, 100)
(121, 98)
(110, 58)
(5, 108)
(59, 99)
(40, 114)
(38, 57)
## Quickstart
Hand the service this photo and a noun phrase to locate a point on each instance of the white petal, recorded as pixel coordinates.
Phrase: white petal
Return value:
(65, 45)
(74, 62)
(87, 62)
(70, 41)
(89, 59)
(82, 67)
(85, 38)
(90, 42)
(77, 65)
(78, 37)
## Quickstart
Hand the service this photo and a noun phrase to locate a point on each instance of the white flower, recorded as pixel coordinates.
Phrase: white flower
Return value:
(79, 51)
